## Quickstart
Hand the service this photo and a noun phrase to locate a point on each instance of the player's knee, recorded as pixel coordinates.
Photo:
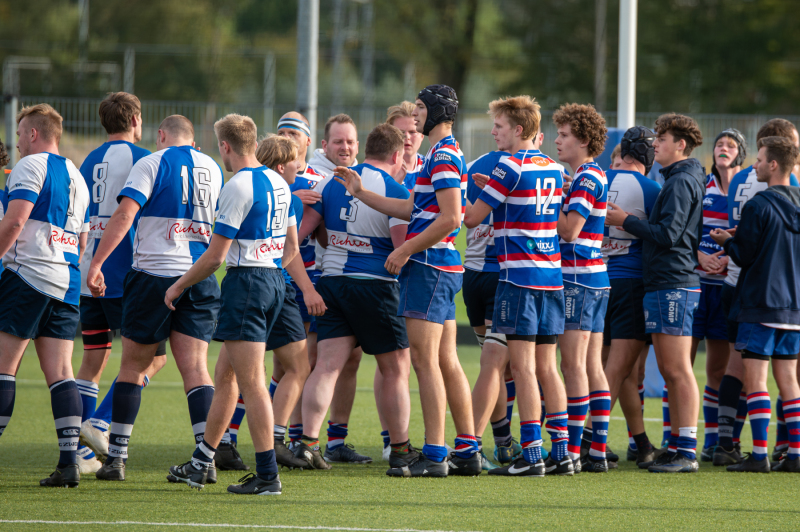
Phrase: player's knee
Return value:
(96, 339)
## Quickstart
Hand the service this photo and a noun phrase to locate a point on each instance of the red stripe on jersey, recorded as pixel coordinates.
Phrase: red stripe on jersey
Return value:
(581, 262)
(532, 192)
(716, 215)
(585, 195)
(432, 208)
(590, 236)
(537, 226)
(498, 187)
(528, 256)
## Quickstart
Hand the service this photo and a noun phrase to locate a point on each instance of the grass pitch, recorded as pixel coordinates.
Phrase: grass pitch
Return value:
(361, 497)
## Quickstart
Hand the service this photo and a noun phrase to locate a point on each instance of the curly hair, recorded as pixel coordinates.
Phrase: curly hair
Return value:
(586, 123)
(4, 158)
(681, 127)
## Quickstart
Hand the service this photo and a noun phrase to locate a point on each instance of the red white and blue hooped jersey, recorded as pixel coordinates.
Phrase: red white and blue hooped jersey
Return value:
(634, 193)
(307, 180)
(105, 171)
(582, 259)
(411, 175)
(177, 189)
(255, 211)
(359, 238)
(481, 253)
(47, 251)
(525, 192)
(444, 167)
(715, 216)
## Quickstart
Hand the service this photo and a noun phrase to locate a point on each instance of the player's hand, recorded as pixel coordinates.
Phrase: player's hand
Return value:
(95, 281)
(396, 261)
(710, 263)
(480, 180)
(567, 184)
(314, 303)
(721, 235)
(615, 216)
(349, 178)
(173, 293)
(401, 174)
(308, 196)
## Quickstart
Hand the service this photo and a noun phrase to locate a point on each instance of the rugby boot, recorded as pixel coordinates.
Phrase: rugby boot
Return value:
(506, 454)
(677, 463)
(778, 453)
(576, 465)
(611, 456)
(751, 465)
(95, 439)
(210, 479)
(194, 476)
(644, 455)
(421, 466)
(311, 455)
(400, 460)
(252, 484)
(660, 456)
(286, 458)
(563, 468)
(631, 455)
(465, 467)
(787, 466)
(345, 454)
(707, 454)
(486, 465)
(521, 468)
(228, 458)
(590, 465)
(68, 476)
(112, 469)
(723, 457)
(88, 466)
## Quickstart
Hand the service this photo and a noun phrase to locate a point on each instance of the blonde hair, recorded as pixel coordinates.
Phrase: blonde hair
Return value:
(401, 110)
(521, 111)
(616, 153)
(274, 150)
(43, 119)
(238, 131)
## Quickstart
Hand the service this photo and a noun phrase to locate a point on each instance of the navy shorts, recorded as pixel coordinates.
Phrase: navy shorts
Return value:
(767, 342)
(731, 326)
(364, 308)
(251, 301)
(101, 313)
(670, 311)
(522, 311)
(27, 313)
(710, 318)
(479, 291)
(584, 308)
(147, 320)
(288, 327)
(427, 293)
(625, 312)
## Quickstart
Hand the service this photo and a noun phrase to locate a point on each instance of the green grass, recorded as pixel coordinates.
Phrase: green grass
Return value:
(362, 496)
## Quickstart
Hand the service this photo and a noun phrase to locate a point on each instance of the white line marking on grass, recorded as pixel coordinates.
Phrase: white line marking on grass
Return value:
(210, 525)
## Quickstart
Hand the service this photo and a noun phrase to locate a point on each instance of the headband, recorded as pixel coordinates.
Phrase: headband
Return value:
(294, 123)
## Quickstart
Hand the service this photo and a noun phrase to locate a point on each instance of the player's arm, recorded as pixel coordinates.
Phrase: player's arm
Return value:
(666, 231)
(291, 249)
(19, 210)
(394, 207)
(206, 265)
(118, 226)
(311, 220)
(570, 225)
(83, 238)
(476, 213)
(398, 233)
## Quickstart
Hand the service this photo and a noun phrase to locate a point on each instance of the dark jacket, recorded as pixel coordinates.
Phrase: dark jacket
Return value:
(672, 234)
(767, 247)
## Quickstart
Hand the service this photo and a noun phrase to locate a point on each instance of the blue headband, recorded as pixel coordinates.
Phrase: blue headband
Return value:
(294, 123)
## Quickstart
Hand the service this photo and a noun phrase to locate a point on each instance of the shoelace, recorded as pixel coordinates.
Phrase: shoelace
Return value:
(351, 452)
(247, 478)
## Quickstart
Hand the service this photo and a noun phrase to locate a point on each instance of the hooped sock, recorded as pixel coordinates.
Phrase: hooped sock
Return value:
(781, 433)
(600, 410)
(501, 430)
(236, 420)
(531, 440)
(710, 414)
(760, 411)
(337, 432)
(556, 427)
(666, 424)
(577, 408)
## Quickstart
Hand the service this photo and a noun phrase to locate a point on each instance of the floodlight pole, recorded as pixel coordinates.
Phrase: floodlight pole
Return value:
(308, 62)
(626, 85)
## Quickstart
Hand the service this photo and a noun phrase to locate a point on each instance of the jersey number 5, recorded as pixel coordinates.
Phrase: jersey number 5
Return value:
(201, 191)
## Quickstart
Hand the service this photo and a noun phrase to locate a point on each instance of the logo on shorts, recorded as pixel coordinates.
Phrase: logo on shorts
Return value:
(646, 314)
(650, 324)
(673, 296)
(188, 231)
(503, 310)
(571, 292)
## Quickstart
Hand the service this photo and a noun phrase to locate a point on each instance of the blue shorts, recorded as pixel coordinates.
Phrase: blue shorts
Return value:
(101, 313)
(147, 320)
(364, 308)
(758, 339)
(727, 302)
(526, 312)
(427, 293)
(250, 303)
(709, 319)
(584, 308)
(479, 292)
(288, 327)
(27, 313)
(670, 311)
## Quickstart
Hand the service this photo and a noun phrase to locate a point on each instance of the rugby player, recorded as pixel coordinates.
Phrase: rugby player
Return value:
(171, 195)
(732, 399)
(524, 193)
(765, 246)
(623, 334)
(730, 150)
(255, 230)
(105, 171)
(581, 137)
(670, 238)
(361, 295)
(42, 236)
(429, 282)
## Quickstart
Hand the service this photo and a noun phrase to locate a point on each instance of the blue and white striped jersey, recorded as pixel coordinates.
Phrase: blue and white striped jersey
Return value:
(255, 210)
(105, 171)
(359, 241)
(177, 189)
(481, 254)
(46, 253)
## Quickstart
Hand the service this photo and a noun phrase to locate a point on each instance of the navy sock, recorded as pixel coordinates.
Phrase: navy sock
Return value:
(102, 416)
(501, 430)
(203, 455)
(266, 465)
(8, 391)
(66, 403)
(126, 402)
(199, 399)
(729, 391)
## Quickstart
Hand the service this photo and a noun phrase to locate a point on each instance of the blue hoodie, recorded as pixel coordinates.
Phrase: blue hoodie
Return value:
(767, 247)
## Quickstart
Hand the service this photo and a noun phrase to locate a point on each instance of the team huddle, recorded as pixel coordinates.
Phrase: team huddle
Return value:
(332, 258)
